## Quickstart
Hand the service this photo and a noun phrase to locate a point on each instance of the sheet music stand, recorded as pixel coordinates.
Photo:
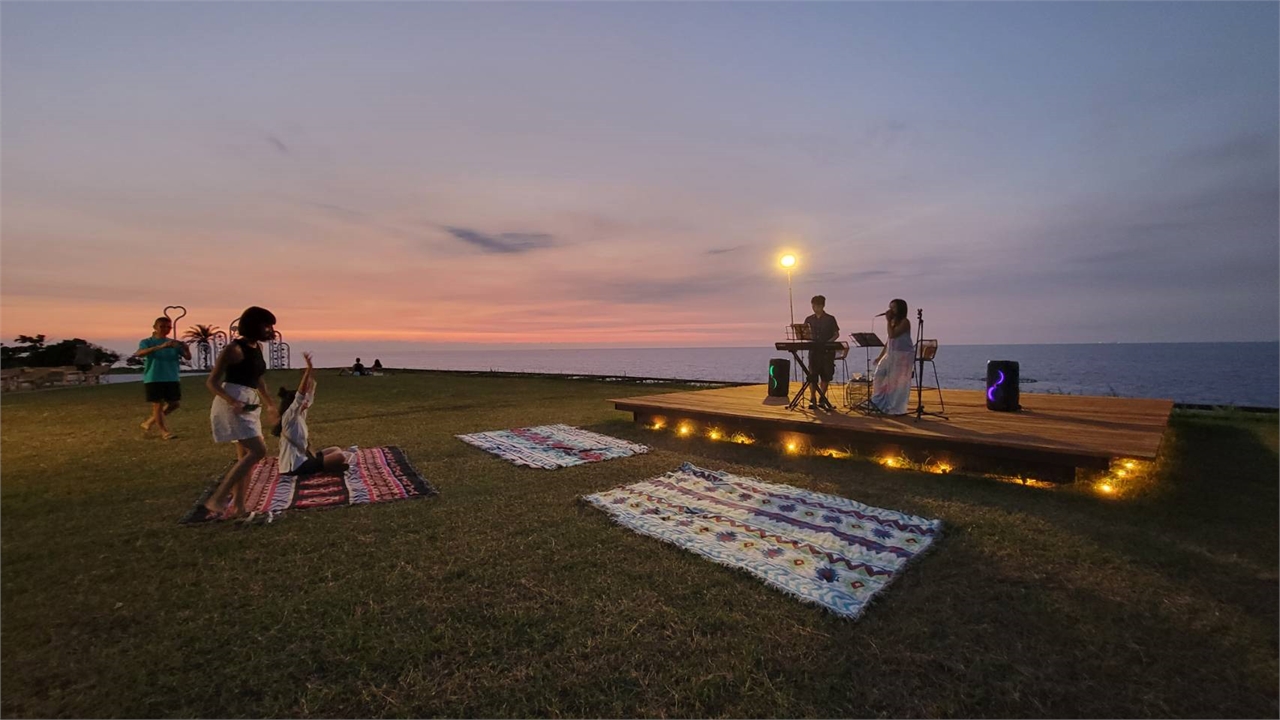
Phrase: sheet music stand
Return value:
(868, 341)
(858, 394)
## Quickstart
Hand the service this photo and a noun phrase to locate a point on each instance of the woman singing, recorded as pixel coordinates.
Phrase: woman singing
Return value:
(891, 384)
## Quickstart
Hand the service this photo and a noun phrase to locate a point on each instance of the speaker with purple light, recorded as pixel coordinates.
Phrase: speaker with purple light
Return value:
(1002, 386)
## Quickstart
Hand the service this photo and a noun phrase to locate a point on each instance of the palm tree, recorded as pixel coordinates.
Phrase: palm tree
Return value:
(200, 333)
(202, 336)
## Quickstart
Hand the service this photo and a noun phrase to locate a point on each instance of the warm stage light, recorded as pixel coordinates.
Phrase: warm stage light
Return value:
(787, 261)
(1106, 488)
(715, 435)
(791, 447)
(1129, 465)
(684, 429)
(890, 462)
(1120, 473)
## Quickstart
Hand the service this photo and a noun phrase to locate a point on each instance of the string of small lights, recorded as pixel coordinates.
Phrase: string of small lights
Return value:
(1120, 479)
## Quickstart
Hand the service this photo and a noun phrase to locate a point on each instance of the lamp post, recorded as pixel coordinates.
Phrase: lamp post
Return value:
(788, 261)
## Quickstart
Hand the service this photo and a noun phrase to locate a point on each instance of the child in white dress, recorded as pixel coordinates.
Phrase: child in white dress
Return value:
(296, 457)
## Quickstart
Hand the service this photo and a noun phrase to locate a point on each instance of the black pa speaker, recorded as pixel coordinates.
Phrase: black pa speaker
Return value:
(779, 377)
(1002, 386)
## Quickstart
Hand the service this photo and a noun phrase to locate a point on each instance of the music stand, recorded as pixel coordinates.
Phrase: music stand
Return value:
(864, 405)
(868, 341)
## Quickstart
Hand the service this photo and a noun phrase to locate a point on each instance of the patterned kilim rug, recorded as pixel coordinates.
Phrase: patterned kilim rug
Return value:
(823, 549)
(380, 474)
(552, 446)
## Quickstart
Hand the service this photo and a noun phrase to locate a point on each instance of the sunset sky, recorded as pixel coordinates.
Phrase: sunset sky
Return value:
(627, 174)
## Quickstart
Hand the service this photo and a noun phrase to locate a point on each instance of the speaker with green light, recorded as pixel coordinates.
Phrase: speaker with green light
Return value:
(779, 377)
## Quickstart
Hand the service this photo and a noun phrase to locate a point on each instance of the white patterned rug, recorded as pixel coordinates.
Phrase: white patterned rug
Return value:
(552, 446)
(820, 548)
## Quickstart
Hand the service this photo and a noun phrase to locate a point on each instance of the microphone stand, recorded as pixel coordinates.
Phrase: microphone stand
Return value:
(868, 349)
(919, 362)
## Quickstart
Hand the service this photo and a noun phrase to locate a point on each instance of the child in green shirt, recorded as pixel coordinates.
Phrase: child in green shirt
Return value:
(160, 374)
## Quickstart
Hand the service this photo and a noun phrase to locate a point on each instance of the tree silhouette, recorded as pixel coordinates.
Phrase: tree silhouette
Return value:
(31, 351)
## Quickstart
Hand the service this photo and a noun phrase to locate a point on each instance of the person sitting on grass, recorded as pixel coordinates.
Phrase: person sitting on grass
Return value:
(358, 368)
(296, 457)
(160, 374)
(377, 365)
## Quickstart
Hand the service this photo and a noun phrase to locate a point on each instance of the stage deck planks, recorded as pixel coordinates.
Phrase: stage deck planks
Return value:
(1057, 430)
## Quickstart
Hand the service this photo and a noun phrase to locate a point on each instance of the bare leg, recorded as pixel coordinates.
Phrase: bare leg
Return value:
(168, 408)
(333, 459)
(155, 417)
(254, 449)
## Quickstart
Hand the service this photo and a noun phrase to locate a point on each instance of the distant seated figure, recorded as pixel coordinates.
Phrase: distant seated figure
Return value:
(358, 368)
(377, 364)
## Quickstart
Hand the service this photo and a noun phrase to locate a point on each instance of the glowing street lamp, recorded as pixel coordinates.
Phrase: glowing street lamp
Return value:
(788, 261)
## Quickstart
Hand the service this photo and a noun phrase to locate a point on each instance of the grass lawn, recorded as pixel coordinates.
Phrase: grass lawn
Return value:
(506, 597)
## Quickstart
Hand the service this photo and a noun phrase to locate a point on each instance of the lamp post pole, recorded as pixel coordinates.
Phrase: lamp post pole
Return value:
(790, 303)
(788, 261)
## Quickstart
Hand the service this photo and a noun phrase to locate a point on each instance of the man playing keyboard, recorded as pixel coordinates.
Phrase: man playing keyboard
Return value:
(822, 360)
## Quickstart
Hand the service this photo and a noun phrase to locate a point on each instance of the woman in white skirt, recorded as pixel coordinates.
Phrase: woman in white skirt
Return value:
(239, 392)
(891, 384)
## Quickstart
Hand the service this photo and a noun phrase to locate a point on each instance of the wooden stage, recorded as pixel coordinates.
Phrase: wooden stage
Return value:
(1051, 436)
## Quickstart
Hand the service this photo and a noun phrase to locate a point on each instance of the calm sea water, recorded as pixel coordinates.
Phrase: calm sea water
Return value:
(1225, 373)
(1214, 373)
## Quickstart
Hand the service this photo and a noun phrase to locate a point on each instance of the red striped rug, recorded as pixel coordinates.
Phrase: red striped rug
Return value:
(381, 474)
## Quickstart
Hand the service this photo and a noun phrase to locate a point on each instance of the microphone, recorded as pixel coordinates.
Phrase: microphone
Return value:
(886, 312)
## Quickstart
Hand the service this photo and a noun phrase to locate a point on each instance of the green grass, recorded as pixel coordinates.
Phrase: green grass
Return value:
(504, 596)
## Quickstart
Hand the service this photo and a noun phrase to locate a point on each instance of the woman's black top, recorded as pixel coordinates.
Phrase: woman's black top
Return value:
(250, 369)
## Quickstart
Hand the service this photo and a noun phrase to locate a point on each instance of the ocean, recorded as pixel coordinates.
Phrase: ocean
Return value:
(1209, 373)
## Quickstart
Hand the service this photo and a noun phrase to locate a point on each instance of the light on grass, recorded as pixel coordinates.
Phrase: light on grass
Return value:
(792, 447)
(890, 462)
(1106, 488)
(1120, 473)
(742, 439)
(942, 468)
(714, 435)
(685, 430)
(1128, 464)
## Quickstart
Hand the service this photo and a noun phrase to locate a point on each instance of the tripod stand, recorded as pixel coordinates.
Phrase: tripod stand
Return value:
(920, 411)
